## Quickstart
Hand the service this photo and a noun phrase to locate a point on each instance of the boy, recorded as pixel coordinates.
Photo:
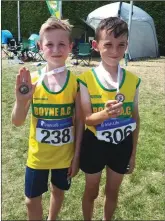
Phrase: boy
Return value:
(109, 100)
(53, 95)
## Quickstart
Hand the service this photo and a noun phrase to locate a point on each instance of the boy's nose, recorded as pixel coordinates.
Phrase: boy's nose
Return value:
(55, 49)
(114, 50)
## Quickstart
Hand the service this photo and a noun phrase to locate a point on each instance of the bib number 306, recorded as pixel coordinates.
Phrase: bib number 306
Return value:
(114, 135)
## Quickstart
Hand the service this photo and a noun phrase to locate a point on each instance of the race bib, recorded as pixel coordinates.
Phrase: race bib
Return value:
(115, 130)
(55, 132)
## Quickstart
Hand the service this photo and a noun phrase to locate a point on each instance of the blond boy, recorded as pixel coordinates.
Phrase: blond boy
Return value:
(53, 143)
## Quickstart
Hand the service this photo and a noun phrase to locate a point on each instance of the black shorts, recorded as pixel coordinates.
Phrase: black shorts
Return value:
(96, 154)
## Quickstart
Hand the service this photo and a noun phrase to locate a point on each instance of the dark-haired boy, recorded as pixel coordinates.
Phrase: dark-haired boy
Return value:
(109, 100)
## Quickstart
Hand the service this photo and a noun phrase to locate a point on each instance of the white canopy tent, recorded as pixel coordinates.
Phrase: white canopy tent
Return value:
(142, 37)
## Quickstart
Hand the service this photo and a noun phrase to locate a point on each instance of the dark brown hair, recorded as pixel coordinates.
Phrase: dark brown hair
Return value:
(112, 24)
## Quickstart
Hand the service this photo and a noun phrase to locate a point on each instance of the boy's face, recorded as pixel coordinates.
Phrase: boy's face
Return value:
(56, 46)
(111, 49)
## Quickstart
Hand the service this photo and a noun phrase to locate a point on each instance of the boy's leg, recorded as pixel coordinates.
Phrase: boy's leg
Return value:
(113, 182)
(59, 183)
(35, 185)
(117, 164)
(56, 200)
(90, 194)
(92, 162)
(34, 208)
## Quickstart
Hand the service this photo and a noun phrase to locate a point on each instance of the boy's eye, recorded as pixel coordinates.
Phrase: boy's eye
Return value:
(49, 44)
(62, 44)
(108, 44)
(122, 45)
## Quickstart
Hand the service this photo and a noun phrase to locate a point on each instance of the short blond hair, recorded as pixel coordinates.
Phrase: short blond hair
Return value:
(53, 23)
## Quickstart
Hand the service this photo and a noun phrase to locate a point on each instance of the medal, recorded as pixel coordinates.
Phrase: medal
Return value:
(120, 97)
(24, 89)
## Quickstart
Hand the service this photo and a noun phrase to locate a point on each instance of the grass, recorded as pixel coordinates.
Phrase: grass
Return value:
(141, 194)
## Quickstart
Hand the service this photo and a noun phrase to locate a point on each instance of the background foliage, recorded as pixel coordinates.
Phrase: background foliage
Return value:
(34, 13)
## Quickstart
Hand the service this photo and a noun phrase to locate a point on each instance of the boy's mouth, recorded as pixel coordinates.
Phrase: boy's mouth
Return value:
(113, 57)
(57, 56)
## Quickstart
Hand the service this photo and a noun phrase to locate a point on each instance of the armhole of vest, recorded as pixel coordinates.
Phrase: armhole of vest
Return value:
(78, 86)
(82, 82)
(139, 81)
(31, 106)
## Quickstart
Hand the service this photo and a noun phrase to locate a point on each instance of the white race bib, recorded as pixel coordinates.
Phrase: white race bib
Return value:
(115, 130)
(55, 132)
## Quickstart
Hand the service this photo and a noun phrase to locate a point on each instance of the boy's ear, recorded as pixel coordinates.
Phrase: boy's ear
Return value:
(126, 44)
(95, 45)
(71, 46)
(39, 45)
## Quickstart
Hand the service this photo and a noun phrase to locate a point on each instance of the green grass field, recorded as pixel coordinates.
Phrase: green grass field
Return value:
(141, 194)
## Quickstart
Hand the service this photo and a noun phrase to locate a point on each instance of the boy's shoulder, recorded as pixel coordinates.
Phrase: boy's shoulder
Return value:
(129, 73)
(34, 76)
(73, 76)
(85, 73)
(132, 77)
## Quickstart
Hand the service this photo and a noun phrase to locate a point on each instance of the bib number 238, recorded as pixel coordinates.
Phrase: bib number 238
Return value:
(55, 132)
(56, 136)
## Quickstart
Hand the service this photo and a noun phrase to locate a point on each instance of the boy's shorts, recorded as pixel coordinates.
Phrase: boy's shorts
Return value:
(96, 154)
(36, 181)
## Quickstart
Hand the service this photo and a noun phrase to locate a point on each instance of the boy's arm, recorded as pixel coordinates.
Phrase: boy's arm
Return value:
(79, 128)
(112, 109)
(23, 101)
(19, 113)
(136, 117)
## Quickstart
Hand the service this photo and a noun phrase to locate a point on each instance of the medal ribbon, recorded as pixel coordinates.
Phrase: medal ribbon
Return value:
(54, 71)
(118, 78)
(105, 75)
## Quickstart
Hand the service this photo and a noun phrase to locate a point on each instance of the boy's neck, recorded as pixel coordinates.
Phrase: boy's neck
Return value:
(111, 69)
(50, 67)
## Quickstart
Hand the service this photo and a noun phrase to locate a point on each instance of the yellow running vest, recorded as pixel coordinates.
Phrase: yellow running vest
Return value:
(51, 140)
(115, 129)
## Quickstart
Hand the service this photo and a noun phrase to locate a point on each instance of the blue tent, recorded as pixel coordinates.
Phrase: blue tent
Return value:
(34, 38)
(5, 36)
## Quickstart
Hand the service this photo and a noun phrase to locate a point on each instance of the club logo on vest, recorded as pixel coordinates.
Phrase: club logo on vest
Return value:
(96, 96)
(120, 97)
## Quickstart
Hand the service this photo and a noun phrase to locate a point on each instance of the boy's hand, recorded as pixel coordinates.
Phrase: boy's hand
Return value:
(131, 164)
(113, 108)
(74, 168)
(24, 78)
